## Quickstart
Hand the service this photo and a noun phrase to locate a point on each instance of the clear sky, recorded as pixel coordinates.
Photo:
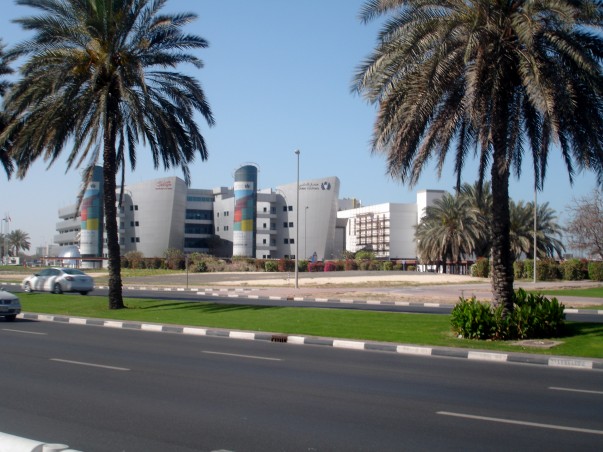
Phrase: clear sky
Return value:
(278, 76)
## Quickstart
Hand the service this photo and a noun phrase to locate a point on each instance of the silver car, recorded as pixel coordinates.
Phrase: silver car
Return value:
(10, 305)
(59, 280)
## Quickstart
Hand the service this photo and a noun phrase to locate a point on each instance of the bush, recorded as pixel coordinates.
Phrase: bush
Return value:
(518, 269)
(351, 265)
(364, 255)
(528, 269)
(547, 270)
(302, 265)
(316, 267)
(330, 266)
(595, 271)
(533, 317)
(574, 270)
(271, 266)
(481, 268)
(286, 265)
(387, 266)
(411, 268)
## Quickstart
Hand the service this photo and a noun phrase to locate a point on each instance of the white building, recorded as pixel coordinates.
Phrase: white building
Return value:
(242, 220)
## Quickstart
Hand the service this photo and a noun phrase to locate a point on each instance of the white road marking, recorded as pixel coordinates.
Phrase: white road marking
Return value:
(585, 391)
(81, 363)
(528, 424)
(241, 356)
(25, 332)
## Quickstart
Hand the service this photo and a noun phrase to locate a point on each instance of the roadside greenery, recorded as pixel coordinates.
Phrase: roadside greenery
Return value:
(579, 339)
(533, 317)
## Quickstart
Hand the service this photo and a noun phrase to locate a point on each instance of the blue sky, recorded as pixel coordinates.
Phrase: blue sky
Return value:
(277, 75)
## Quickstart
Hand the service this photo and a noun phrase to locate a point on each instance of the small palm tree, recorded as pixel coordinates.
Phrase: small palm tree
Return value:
(487, 80)
(100, 77)
(18, 240)
(548, 232)
(448, 231)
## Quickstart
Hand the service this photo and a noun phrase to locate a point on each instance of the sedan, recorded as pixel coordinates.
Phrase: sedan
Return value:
(59, 280)
(9, 305)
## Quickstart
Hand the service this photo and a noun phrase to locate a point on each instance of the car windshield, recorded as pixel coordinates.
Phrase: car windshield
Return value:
(73, 271)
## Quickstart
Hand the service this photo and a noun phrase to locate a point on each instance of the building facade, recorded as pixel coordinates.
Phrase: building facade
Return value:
(308, 221)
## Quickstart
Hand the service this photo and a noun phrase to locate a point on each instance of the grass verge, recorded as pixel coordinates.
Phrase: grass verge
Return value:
(582, 339)
(592, 292)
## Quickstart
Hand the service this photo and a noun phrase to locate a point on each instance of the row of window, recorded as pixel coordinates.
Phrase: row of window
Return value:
(200, 198)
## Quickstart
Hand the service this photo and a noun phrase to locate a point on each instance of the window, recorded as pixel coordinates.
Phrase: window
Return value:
(226, 228)
(195, 214)
(286, 241)
(193, 228)
(272, 242)
(264, 241)
(265, 209)
(264, 226)
(290, 208)
(291, 224)
(273, 210)
(291, 240)
(134, 223)
(285, 224)
(284, 208)
(199, 199)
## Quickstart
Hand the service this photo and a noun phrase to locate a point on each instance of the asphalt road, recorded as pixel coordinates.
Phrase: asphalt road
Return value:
(102, 389)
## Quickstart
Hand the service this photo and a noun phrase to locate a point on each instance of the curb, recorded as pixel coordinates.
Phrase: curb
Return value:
(402, 349)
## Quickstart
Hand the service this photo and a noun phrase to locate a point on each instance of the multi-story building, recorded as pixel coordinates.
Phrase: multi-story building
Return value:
(306, 220)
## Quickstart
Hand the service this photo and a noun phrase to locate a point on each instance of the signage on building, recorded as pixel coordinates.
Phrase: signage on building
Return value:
(163, 185)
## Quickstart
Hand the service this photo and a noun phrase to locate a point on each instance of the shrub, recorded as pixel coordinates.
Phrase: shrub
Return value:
(286, 265)
(387, 266)
(481, 268)
(364, 255)
(351, 264)
(518, 269)
(200, 267)
(528, 269)
(174, 259)
(595, 271)
(534, 316)
(316, 267)
(302, 265)
(547, 270)
(411, 268)
(271, 266)
(574, 270)
(330, 266)
(134, 259)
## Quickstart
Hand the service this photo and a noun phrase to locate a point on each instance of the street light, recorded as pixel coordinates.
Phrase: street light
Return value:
(297, 152)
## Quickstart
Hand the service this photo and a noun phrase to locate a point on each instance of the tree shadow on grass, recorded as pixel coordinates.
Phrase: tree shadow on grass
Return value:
(208, 308)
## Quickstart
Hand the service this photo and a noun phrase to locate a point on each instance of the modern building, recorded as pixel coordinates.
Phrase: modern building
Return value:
(308, 221)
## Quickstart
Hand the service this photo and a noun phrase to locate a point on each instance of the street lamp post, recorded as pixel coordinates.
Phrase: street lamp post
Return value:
(297, 152)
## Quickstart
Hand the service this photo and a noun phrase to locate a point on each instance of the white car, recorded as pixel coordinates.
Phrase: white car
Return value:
(59, 280)
(10, 305)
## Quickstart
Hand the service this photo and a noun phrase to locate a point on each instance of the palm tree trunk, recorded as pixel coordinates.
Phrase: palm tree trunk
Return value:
(502, 266)
(109, 169)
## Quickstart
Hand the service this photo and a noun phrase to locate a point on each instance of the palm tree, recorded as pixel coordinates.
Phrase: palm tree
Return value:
(479, 197)
(100, 77)
(487, 79)
(448, 231)
(548, 232)
(18, 240)
(5, 70)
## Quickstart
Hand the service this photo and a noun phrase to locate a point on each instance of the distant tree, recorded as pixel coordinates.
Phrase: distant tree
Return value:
(585, 228)
(479, 197)
(490, 81)
(99, 77)
(548, 232)
(448, 230)
(18, 240)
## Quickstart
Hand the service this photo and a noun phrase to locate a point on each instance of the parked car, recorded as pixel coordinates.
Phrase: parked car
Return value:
(10, 305)
(59, 280)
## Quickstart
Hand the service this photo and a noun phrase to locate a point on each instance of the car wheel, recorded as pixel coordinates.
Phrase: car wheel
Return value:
(84, 292)
(27, 287)
(57, 288)
(11, 318)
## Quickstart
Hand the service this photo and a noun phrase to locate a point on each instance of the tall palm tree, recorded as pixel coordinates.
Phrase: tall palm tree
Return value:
(448, 231)
(5, 70)
(487, 79)
(18, 240)
(100, 76)
(548, 231)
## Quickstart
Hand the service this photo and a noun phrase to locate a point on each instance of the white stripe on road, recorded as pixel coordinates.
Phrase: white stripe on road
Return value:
(25, 332)
(585, 391)
(81, 363)
(528, 424)
(241, 356)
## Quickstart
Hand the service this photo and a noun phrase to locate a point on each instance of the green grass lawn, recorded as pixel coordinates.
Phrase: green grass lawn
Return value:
(593, 292)
(582, 339)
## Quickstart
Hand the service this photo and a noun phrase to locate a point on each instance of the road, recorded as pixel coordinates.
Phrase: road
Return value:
(102, 389)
